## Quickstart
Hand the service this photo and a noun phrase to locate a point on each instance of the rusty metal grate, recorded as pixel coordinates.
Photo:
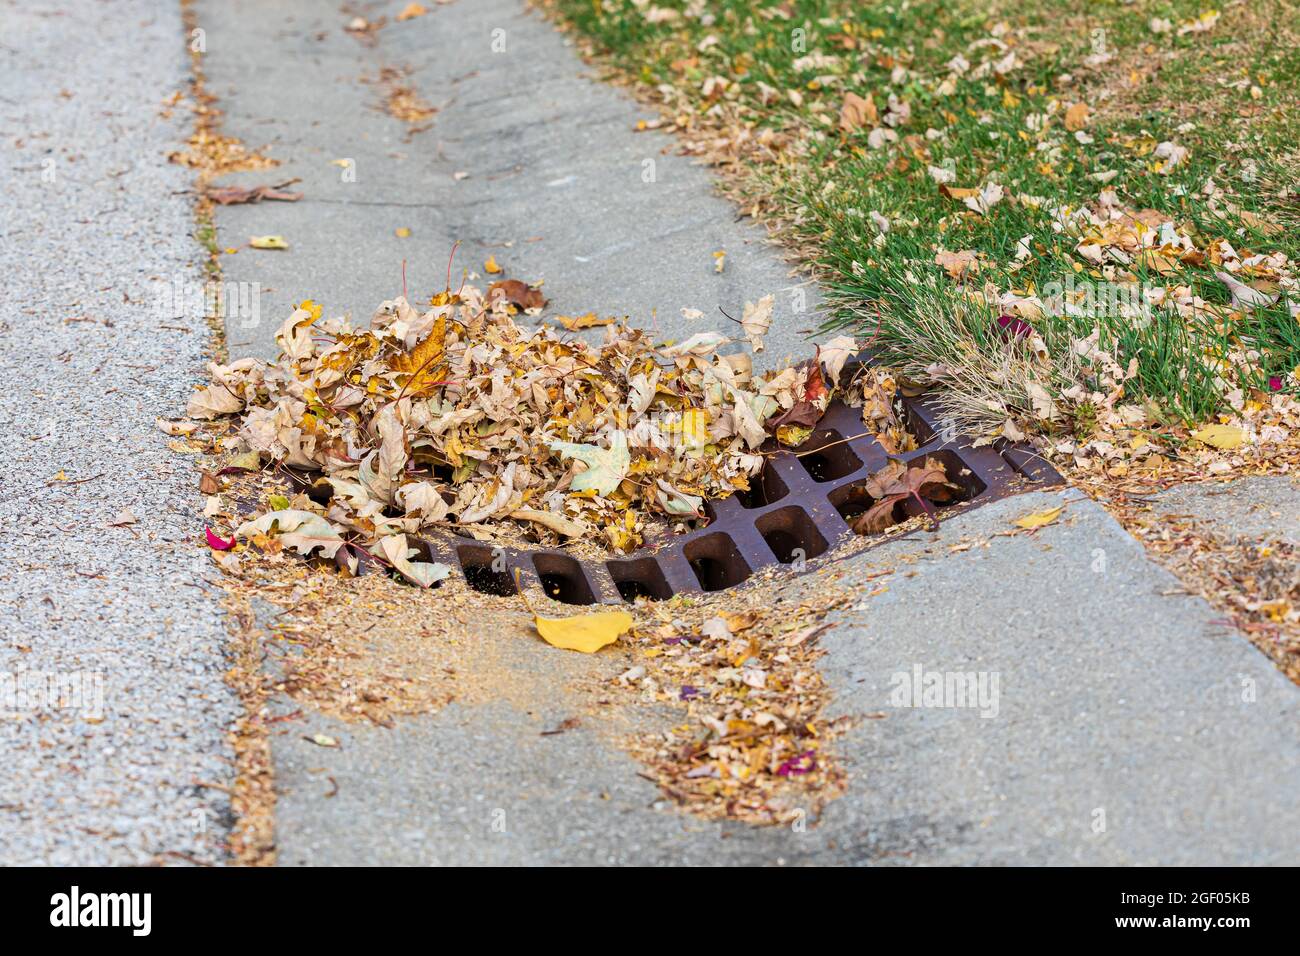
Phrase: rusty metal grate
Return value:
(800, 505)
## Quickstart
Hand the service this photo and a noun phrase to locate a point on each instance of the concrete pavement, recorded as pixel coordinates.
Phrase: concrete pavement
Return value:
(1128, 728)
(1122, 735)
(1120, 723)
(526, 160)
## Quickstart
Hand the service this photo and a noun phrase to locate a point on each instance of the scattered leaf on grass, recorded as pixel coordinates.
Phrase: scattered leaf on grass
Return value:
(857, 112)
(957, 264)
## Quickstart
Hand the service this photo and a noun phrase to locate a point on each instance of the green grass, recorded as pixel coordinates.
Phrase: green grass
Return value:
(822, 183)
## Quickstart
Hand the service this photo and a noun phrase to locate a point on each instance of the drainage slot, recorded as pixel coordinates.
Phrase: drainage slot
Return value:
(716, 561)
(562, 579)
(852, 501)
(791, 535)
(639, 578)
(423, 552)
(968, 483)
(826, 456)
(477, 566)
(914, 423)
(766, 489)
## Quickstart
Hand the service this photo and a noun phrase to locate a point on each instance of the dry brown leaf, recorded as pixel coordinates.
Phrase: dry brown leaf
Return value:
(549, 519)
(588, 321)
(1076, 117)
(858, 112)
(519, 294)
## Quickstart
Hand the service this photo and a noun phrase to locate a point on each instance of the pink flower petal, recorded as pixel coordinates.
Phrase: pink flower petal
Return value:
(216, 543)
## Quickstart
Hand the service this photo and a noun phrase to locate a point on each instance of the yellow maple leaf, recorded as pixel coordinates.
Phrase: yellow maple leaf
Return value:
(424, 362)
(1039, 519)
(491, 266)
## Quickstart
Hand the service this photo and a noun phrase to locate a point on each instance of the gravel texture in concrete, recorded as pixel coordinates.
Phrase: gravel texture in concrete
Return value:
(109, 612)
(526, 160)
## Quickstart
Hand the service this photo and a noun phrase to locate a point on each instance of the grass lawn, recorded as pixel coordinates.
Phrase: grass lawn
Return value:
(1078, 221)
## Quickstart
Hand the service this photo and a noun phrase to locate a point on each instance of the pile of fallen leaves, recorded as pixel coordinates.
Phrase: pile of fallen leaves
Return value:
(458, 417)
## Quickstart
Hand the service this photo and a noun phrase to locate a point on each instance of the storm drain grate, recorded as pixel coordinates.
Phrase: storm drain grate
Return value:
(798, 509)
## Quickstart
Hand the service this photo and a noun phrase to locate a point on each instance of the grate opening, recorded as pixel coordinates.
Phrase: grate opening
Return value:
(641, 578)
(477, 566)
(768, 488)
(791, 535)
(320, 491)
(424, 552)
(851, 501)
(960, 475)
(826, 456)
(717, 562)
(916, 425)
(562, 579)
